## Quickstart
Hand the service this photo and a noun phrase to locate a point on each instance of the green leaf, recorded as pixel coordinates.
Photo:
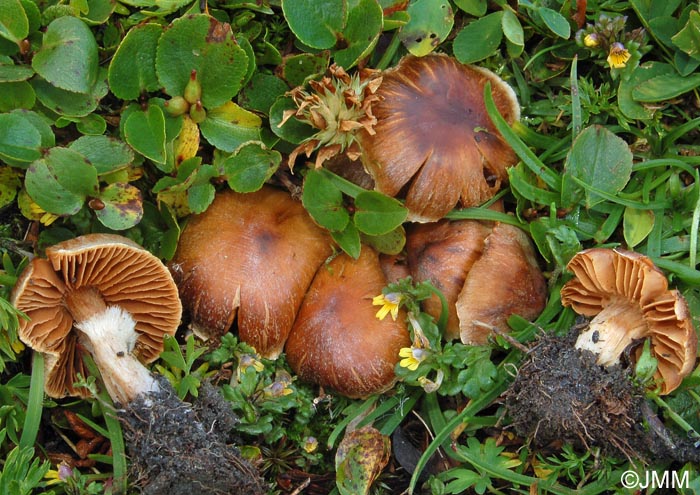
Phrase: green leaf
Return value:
(9, 185)
(665, 87)
(688, 38)
(390, 243)
(360, 458)
(556, 22)
(630, 107)
(349, 240)
(637, 225)
(69, 103)
(68, 57)
(430, 23)
(230, 126)
(364, 25)
(145, 132)
(14, 25)
(599, 159)
(262, 91)
(123, 206)
(293, 130)
(479, 39)
(61, 181)
(512, 29)
(205, 45)
(19, 138)
(106, 154)
(315, 23)
(132, 70)
(15, 73)
(299, 68)
(477, 8)
(377, 213)
(251, 165)
(324, 202)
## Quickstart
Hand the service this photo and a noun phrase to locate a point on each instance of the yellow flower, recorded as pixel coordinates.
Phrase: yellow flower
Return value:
(618, 56)
(42, 215)
(280, 387)
(310, 444)
(247, 361)
(389, 304)
(412, 357)
(59, 475)
(591, 40)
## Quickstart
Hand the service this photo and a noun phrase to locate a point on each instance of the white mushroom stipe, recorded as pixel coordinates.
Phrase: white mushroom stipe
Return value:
(110, 336)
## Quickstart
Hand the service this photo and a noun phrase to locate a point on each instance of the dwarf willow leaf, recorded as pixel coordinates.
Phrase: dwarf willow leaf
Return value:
(230, 126)
(315, 23)
(19, 139)
(122, 206)
(429, 24)
(69, 103)
(251, 165)
(14, 25)
(68, 56)
(133, 67)
(479, 39)
(324, 202)
(145, 132)
(106, 154)
(205, 45)
(556, 22)
(349, 240)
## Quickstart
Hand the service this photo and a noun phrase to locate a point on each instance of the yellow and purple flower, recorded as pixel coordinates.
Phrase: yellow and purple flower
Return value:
(389, 304)
(618, 56)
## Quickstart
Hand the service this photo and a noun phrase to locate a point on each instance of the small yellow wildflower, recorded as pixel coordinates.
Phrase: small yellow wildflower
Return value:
(591, 40)
(280, 387)
(247, 361)
(59, 475)
(618, 56)
(389, 304)
(310, 444)
(42, 215)
(412, 357)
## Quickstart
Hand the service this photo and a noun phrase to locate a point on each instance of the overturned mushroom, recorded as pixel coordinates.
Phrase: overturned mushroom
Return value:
(105, 294)
(629, 300)
(487, 272)
(109, 294)
(433, 141)
(337, 340)
(249, 257)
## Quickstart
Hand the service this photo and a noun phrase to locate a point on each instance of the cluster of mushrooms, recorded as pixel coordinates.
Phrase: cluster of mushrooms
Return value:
(258, 263)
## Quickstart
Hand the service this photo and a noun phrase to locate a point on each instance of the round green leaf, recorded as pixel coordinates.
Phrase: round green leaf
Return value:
(315, 23)
(297, 69)
(230, 126)
(365, 21)
(324, 202)
(61, 181)
(479, 39)
(145, 132)
(249, 168)
(390, 243)
(99, 11)
(15, 73)
(92, 124)
(645, 72)
(19, 139)
(68, 56)
(430, 23)
(123, 206)
(133, 67)
(203, 44)
(378, 214)
(106, 154)
(477, 8)
(14, 25)
(512, 28)
(69, 103)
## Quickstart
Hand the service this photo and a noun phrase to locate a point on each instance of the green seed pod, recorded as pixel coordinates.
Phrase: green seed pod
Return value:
(193, 89)
(176, 106)
(197, 112)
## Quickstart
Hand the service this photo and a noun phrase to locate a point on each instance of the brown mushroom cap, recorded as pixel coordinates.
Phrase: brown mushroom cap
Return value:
(433, 140)
(250, 256)
(506, 280)
(337, 340)
(443, 253)
(114, 269)
(629, 300)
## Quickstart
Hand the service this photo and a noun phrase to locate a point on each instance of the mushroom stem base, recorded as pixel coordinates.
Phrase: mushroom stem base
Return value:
(110, 336)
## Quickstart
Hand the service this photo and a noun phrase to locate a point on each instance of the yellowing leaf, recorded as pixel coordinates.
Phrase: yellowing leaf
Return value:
(187, 142)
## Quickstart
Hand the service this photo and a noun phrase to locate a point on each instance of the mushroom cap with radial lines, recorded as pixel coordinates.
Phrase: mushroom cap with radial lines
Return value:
(629, 300)
(433, 142)
(121, 272)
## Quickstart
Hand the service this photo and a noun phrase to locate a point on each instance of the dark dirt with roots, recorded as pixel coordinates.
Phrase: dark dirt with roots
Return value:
(561, 395)
(177, 448)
